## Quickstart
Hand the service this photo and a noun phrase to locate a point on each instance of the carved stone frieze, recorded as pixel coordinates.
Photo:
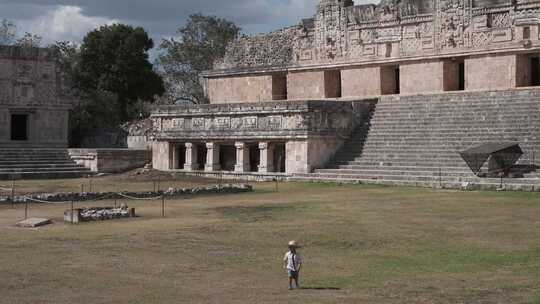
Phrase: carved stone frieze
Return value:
(279, 119)
(342, 32)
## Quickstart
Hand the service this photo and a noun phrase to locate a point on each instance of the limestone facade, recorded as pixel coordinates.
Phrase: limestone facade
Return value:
(33, 111)
(286, 137)
(346, 52)
(370, 45)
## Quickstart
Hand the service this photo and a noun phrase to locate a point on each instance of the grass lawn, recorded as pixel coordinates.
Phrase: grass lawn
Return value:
(362, 244)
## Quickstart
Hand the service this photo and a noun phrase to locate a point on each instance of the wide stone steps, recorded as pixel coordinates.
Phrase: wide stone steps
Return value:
(401, 168)
(417, 139)
(474, 184)
(374, 172)
(39, 164)
(57, 169)
(432, 180)
(30, 175)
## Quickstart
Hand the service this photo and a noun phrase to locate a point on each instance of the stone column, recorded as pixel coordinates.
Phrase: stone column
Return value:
(212, 157)
(242, 157)
(191, 157)
(267, 157)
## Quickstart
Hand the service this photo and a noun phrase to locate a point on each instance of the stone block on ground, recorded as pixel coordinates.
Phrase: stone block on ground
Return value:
(34, 222)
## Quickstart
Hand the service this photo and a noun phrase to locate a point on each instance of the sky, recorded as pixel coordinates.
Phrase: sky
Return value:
(59, 20)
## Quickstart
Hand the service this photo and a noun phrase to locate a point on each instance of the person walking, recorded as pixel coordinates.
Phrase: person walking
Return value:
(293, 264)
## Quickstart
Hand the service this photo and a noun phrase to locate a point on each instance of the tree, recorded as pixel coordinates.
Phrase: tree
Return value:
(29, 40)
(8, 31)
(203, 40)
(114, 59)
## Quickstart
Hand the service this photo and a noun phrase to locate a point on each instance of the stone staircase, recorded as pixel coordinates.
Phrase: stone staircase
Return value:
(415, 140)
(38, 164)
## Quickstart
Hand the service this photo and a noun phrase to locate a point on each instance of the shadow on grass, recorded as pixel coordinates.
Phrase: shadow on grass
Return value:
(319, 288)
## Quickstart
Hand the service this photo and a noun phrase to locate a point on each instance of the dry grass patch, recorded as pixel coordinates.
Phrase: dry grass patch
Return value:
(362, 244)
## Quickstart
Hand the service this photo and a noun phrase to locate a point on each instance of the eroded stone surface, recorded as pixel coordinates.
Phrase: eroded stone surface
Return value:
(34, 222)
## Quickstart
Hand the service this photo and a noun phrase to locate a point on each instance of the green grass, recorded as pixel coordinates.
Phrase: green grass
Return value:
(361, 244)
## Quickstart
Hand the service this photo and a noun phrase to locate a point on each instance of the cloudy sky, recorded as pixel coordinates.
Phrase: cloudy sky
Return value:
(72, 19)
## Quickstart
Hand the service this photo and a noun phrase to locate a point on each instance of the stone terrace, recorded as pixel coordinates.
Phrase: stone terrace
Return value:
(415, 140)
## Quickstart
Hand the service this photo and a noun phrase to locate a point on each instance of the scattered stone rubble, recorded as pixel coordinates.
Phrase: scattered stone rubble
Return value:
(170, 193)
(96, 214)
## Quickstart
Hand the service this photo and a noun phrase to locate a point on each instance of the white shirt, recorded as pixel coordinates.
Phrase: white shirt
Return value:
(293, 261)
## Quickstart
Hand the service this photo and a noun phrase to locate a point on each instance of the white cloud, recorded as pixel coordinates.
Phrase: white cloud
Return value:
(63, 22)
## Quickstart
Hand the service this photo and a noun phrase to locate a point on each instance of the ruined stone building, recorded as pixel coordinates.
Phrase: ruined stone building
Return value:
(386, 93)
(33, 112)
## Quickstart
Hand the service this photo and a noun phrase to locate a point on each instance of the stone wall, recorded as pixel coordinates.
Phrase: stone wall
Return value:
(273, 49)
(291, 119)
(496, 72)
(312, 132)
(31, 87)
(361, 81)
(421, 77)
(161, 155)
(111, 160)
(305, 85)
(342, 33)
(420, 36)
(240, 89)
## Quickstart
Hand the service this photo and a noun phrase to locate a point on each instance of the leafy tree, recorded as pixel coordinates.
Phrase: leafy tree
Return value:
(201, 42)
(114, 59)
(8, 31)
(29, 40)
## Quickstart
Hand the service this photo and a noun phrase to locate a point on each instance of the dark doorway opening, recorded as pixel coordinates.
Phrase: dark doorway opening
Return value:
(19, 127)
(201, 156)
(535, 71)
(254, 157)
(461, 84)
(454, 74)
(227, 157)
(390, 82)
(279, 157)
(332, 84)
(279, 86)
(181, 156)
(398, 80)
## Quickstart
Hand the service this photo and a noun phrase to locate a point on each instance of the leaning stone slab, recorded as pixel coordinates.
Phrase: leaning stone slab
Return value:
(34, 222)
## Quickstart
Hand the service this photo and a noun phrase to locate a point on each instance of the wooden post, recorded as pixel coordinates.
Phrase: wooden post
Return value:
(82, 188)
(72, 210)
(163, 206)
(12, 193)
(25, 209)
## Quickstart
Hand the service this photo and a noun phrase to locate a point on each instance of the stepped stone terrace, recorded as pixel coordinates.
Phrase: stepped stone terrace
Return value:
(377, 93)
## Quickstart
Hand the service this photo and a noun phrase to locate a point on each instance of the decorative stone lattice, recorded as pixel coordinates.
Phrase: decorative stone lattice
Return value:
(342, 32)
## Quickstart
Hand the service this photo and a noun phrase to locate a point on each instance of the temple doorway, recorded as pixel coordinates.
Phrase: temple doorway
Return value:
(19, 127)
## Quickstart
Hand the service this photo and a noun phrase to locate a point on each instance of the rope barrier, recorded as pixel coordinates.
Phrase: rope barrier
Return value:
(96, 199)
(62, 202)
(42, 202)
(141, 198)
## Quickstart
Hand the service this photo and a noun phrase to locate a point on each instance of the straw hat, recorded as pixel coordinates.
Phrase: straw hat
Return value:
(293, 244)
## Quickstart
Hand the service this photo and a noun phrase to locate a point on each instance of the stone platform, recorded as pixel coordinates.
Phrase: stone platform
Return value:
(34, 222)
(35, 163)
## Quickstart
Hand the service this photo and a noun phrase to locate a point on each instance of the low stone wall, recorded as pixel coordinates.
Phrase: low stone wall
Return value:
(111, 160)
(98, 214)
(139, 142)
(171, 193)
